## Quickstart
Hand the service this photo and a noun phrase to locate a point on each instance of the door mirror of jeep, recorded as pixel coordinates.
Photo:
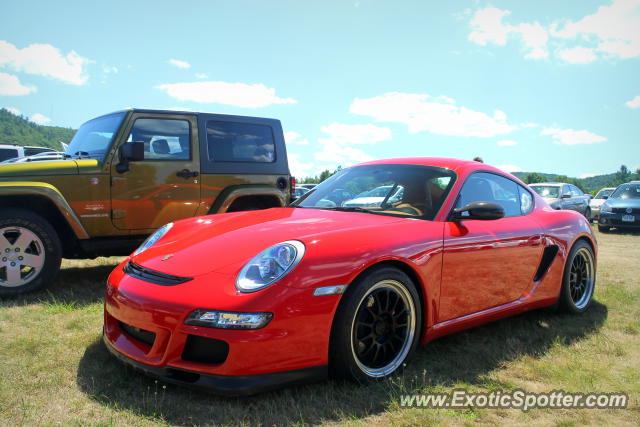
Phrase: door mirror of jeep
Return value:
(129, 152)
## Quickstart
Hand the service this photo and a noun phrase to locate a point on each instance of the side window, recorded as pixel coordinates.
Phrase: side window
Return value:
(164, 139)
(488, 187)
(576, 191)
(526, 201)
(566, 190)
(240, 142)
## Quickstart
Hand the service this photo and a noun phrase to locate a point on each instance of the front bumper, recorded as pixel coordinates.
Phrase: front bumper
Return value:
(610, 219)
(241, 385)
(144, 326)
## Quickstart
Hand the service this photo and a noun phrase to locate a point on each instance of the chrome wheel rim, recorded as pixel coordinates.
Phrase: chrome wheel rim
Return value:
(383, 328)
(21, 256)
(581, 278)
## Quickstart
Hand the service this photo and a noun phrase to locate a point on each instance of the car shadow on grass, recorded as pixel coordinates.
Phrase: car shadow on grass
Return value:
(77, 286)
(465, 357)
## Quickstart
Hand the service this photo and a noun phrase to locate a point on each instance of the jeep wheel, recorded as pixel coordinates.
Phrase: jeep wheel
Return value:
(30, 252)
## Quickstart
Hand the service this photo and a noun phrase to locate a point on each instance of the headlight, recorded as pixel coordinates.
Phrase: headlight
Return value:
(605, 208)
(157, 235)
(228, 320)
(269, 266)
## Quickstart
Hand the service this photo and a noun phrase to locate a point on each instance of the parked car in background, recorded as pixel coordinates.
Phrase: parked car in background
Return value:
(598, 200)
(251, 301)
(11, 151)
(298, 192)
(307, 186)
(40, 157)
(377, 196)
(563, 196)
(622, 208)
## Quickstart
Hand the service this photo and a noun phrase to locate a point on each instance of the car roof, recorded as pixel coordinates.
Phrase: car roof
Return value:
(441, 162)
(550, 183)
(160, 111)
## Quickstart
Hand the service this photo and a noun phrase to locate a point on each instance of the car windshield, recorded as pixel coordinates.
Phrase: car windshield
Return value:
(627, 191)
(549, 191)
(94, 137)
(396, 190)
(603, 193)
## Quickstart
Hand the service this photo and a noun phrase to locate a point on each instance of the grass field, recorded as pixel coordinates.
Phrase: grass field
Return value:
(54, 369)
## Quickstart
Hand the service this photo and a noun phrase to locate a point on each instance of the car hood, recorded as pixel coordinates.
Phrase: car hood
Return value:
(47, 167)
(226, 242)
(624, 203)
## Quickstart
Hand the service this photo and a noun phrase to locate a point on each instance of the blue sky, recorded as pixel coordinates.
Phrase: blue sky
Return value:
(537, 86)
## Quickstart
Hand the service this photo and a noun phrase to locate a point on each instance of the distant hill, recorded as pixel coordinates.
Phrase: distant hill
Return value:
(18, 130)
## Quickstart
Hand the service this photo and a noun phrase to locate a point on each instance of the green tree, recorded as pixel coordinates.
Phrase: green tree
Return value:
(532, 178)
(623, 175)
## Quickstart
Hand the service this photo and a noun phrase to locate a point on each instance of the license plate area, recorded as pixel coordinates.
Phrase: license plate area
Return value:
(628, 218)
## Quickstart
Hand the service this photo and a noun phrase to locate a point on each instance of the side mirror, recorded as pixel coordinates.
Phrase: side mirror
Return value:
(479, 210)
(566, 196)
(129, 152)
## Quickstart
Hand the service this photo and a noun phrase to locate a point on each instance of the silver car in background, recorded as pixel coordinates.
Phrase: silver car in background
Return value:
(563, 196)
(596, 202)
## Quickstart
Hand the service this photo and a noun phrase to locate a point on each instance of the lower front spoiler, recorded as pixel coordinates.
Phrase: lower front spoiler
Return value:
(226, 385)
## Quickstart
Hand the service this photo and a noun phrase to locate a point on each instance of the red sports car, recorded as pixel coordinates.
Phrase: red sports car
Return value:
(245, 302)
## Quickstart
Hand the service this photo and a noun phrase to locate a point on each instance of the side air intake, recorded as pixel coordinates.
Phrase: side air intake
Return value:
(548, 256)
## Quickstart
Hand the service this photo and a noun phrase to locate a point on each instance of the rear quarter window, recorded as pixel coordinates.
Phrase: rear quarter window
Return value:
(8, 153)
(240, 142)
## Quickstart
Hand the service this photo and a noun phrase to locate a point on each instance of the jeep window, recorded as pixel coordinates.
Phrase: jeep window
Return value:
(94, 137)
(164, 139)
(240, 142)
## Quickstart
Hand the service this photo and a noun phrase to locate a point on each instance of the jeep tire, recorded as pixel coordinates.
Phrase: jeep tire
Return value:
(30, 252)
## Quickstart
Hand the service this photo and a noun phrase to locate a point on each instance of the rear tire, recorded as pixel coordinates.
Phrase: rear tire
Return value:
(377, 326)
(579, 279)
(587, 214)
(30, 252)
(604, 228)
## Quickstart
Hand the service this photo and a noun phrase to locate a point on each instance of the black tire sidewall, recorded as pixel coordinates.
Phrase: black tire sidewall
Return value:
(565, 300)
(52, 248)
(341, 360)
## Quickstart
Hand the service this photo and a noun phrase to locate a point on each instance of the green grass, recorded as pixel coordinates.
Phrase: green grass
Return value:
(55, 370)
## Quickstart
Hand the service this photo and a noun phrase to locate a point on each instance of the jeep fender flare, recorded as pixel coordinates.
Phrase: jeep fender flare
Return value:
(231, 194)
(49, 192)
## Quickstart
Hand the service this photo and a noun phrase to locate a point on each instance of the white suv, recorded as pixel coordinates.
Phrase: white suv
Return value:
(10, 151)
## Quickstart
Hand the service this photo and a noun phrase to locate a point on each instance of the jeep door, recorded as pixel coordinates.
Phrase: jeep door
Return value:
(165, 185)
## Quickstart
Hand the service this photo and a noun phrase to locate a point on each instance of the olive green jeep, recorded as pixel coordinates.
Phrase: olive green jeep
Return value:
(126, 174)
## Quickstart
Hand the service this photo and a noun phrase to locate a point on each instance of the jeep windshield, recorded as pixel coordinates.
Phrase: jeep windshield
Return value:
(400, 190)
(94, 137)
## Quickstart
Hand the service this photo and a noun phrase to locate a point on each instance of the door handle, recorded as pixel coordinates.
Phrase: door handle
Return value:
(186, 174)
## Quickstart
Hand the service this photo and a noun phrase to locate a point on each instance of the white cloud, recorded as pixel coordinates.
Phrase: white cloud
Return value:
(578, 55)
(236, 94)
(487, 27)
(572, 137)
(178, 63)
(506, 143)
(611, 31)
(294, 138)
(336, 146)
(297, 167)
(10, 86)
(634, 103)
(13, 111)
(587, 175)
(109, 70)
(45, 60)
(421, 112)
(39, 119)
(340, 133)
(202, 76)
(509, 168)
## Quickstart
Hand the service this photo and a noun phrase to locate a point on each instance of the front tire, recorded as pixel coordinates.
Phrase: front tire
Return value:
(579, 279)
(30, 252)
(377, 326)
